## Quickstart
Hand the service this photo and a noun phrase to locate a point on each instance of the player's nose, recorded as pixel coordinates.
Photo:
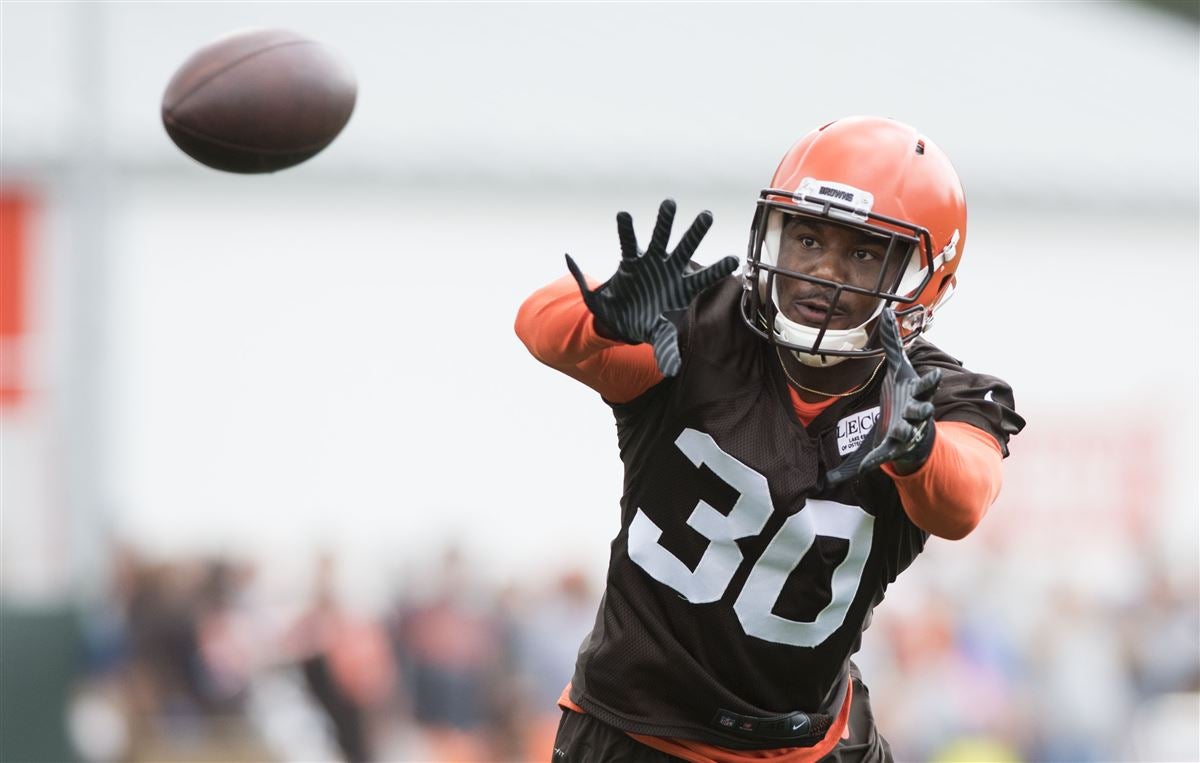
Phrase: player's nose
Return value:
(831, 263)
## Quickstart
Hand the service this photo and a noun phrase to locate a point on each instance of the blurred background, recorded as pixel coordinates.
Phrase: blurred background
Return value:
(280, 483)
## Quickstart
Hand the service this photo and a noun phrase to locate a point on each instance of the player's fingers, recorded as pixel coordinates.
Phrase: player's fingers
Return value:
(851, 466)
(629, 249)
(579, 277)
(889, 335)
(927, 384)
(879, 456)
(901, 433)
(899, 441)
(662, 228)
(665, 339)
(916, 412)
(702, 279)
(695, 234)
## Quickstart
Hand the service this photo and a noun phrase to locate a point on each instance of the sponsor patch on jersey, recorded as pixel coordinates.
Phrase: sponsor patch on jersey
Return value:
(855, 428)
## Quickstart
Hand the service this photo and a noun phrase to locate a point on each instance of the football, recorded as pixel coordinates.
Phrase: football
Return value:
(258, 100)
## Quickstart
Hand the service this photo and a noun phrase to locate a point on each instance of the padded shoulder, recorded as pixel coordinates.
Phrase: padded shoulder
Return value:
(980, 400)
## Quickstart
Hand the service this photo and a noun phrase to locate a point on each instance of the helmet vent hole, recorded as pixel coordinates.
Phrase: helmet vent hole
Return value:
(920, 147)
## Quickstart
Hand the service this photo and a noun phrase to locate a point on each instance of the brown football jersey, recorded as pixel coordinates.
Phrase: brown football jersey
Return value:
(739, 585)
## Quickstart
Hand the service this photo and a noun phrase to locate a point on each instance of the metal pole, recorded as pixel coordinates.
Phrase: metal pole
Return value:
(87, 274)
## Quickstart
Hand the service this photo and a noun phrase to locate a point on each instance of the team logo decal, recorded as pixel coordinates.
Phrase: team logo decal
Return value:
(813, 191)
(852, 430)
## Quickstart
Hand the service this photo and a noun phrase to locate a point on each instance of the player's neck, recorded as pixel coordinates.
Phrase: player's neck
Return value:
(816, 384)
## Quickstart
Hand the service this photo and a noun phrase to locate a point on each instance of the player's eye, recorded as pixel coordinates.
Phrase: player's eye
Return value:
(864, 255)
(808, 242)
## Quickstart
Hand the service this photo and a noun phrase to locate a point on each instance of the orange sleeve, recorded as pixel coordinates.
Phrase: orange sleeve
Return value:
(557, 328)
(953, 489)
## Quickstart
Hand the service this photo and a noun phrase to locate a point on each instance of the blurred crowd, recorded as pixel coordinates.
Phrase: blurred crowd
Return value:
(191, 661)
(979, 662)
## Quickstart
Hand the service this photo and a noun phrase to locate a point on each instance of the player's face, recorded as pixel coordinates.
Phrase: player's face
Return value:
(833, 252)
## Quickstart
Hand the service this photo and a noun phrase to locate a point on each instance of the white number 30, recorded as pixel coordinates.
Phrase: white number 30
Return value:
(722, 557)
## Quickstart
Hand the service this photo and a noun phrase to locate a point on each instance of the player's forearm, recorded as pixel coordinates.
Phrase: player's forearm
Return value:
(558, 329)
(951, 492)
(556, 326)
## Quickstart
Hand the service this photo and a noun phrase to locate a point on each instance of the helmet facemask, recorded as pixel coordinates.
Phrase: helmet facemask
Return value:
(901, 275)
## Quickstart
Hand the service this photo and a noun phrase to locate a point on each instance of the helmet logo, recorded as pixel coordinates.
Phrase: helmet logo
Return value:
(836, 193)
(846, 201)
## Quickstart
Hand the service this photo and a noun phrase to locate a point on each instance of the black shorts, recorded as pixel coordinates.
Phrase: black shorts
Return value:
(583, 739)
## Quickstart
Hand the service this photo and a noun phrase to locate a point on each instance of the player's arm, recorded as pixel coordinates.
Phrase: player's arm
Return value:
(950, 492)
(632, 305)
(603, 335)
(947, 473)
(559, 330)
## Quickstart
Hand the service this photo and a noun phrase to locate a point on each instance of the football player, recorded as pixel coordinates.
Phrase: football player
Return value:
(789, 440)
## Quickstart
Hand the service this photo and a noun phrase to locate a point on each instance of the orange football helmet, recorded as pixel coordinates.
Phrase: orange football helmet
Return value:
(874, 174)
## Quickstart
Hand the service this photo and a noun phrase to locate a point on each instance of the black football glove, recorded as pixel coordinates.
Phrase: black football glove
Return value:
(904, 432)
(630, 306)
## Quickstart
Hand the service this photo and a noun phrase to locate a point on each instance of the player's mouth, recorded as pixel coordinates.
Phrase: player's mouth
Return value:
(814, 312)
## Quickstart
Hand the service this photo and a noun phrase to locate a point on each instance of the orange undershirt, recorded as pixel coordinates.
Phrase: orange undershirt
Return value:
(947, 496)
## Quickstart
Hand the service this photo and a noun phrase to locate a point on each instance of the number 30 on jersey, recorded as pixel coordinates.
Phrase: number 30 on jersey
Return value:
(722, 557)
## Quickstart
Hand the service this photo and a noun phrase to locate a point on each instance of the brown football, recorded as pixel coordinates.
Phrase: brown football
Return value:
(258, 101)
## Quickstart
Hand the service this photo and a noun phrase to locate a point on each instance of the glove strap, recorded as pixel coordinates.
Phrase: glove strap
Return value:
(916, 458)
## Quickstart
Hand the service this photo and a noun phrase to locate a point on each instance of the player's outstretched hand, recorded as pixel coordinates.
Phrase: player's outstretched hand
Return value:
(904, 432)
(630, 306)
